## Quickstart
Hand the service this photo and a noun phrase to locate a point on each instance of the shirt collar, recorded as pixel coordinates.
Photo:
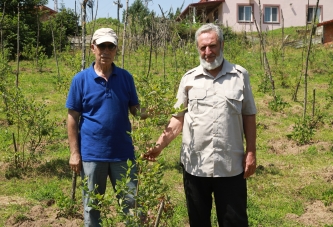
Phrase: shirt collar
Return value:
(227, 67)
(114, 70)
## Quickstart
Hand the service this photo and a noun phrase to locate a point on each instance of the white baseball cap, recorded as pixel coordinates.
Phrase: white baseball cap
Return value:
(103, 35)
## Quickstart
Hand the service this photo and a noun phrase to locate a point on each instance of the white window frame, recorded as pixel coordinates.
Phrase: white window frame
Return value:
(244, 13)
(271, 14)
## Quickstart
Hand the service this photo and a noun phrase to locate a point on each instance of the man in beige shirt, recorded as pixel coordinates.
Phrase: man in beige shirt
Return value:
(220, 111)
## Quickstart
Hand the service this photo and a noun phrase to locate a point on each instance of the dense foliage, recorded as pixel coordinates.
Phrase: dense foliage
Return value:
(24, 21)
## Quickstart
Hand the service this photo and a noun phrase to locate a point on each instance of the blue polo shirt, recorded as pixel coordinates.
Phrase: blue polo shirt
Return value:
(104, 107)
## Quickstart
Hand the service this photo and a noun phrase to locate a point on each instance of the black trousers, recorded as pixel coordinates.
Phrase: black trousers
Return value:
(230, 195)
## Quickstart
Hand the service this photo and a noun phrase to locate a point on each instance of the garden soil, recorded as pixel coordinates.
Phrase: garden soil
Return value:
(316, 214)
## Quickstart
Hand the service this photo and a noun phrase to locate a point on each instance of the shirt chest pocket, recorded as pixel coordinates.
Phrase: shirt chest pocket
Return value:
(234, 100)
(197, 100)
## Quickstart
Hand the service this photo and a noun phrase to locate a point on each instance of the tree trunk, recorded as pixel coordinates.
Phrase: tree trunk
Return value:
(124, 36)
(282, 45)
(260, 30)
(55, 51)
(151, 44)
(37, 41)
(3, 16)
(93, 29)
(266, 66)
(83, 23)
(304, 41)
(18, 45)
(307, 63)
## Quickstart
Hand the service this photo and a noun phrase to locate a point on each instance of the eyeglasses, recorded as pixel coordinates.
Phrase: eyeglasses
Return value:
(103, 46)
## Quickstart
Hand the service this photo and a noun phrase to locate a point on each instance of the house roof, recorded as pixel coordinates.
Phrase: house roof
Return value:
(325, 23)
(207, 7)
(45, 8)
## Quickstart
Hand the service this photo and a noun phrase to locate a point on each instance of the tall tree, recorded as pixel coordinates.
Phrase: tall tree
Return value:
(137, 10)
(66, 23)
(28, 25)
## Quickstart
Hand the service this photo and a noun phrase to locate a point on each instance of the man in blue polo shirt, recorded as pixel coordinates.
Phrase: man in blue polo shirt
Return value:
(98, 103)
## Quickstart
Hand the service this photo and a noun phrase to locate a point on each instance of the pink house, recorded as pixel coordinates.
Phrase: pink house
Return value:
(275, 13)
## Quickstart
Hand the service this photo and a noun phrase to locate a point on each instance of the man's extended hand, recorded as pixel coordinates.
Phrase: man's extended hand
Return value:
(249, 164)
(152, 153)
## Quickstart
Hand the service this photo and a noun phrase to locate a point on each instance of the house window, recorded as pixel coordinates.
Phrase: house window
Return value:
(244, 13)
(271, 14)
(311, 14)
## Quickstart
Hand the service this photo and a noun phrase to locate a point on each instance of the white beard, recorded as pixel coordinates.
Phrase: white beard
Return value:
(212, 65)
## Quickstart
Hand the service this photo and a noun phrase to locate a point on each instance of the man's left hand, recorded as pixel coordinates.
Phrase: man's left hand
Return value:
(249, 164)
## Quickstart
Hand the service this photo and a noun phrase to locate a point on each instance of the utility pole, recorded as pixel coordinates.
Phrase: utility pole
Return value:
(83, 24)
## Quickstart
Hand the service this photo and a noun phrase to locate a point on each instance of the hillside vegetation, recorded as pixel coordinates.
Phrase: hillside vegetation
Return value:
(293, 184)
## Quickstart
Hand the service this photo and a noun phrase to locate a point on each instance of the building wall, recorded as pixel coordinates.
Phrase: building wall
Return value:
(328, 33)
(294, 13)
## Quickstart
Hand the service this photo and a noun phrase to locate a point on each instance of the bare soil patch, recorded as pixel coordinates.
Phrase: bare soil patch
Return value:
(7, 200)
(43, 216)
(316, 214)
(39, 215)
(287, 146)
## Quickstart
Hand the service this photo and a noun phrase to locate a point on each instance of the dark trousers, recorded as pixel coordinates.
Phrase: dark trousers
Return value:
(230, 195)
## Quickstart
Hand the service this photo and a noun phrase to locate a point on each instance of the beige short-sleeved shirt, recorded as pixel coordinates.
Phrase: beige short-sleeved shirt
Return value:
(212, 144)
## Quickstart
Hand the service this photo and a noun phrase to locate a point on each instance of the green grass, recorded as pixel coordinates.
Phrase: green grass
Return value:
(289, 177)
